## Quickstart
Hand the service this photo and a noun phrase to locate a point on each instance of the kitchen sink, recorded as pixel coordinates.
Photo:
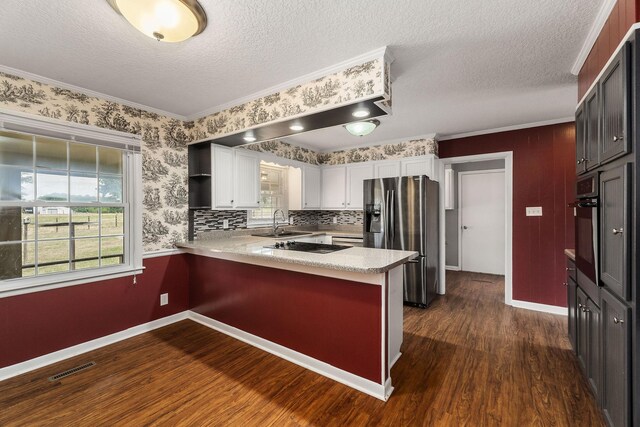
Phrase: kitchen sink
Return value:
(316, 248)
(283, 234)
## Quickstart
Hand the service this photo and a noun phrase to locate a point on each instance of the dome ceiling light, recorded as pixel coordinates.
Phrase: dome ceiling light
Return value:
(164, 20)
(362, 128)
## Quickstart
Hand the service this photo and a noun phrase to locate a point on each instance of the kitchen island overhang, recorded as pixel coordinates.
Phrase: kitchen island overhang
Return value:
(338, 314)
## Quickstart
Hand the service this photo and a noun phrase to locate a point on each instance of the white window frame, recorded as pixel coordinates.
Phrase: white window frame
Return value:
(132, 199)
(261, 222)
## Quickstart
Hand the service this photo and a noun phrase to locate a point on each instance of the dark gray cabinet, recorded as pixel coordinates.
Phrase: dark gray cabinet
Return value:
(581, 133)
(592, 130)
(573, 305)
(615, 103)
(616, 336)
(614, 229)
(582, 335)
(594, 347)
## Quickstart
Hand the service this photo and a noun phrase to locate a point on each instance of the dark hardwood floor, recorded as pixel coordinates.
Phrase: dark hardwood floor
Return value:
(468, 360)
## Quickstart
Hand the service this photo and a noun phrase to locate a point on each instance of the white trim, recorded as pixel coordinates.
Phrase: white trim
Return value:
(162, 252)
(369, 387)
(507, 156)
(57, 356)
(452, 267)
(460, 174)
(61, 280)
(393, 362)
(553, 309)
(592, 36)
(506, 128)
(374, 54)
(24, 122)
(101, 96)
(633, 28)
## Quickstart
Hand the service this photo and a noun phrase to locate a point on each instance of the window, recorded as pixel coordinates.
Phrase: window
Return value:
(65, 207)
(273, 194)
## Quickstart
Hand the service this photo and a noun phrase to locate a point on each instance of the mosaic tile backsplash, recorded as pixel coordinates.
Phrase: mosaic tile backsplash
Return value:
(207, 220)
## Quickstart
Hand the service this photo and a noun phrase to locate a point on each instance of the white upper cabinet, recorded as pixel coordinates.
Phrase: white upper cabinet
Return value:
(422, 165)
(334, 187)
(387, 169)
(311, 187)
(247, 179)
(223, 177)
(356, 174)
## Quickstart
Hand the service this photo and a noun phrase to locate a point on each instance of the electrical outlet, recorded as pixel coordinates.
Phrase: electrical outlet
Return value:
(335, 219)
(291, 220)
(225, 224)
(164, 299)
(534, 211)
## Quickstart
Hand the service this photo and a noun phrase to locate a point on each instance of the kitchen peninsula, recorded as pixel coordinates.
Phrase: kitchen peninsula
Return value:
(338, 314)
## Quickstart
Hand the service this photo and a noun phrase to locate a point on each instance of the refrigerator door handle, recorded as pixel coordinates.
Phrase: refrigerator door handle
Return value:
(389, 207)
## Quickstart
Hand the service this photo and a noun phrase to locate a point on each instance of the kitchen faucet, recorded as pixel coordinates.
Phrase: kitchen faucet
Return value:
(275, 224)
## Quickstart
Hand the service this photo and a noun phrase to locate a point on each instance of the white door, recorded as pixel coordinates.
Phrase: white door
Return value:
(222, 177)
(247, 179)
(311, 187)
(334, 187)
(482, 221)
(356, 174)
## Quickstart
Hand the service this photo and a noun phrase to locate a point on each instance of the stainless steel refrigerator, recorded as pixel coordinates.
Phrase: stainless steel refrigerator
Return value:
(402, 213)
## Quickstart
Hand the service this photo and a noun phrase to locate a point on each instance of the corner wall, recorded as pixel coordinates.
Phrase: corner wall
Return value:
(544, 175)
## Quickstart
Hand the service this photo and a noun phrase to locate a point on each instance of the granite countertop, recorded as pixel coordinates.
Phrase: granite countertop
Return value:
(354, 259)
(571, 253)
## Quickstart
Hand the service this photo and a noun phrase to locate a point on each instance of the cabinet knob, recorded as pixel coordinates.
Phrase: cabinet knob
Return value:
(618, 321)
(581, 161)
(571, 269)
(232, 201)
(617, 231)
(565, 284)
(258, 202)
(579, 305)
(617, 138)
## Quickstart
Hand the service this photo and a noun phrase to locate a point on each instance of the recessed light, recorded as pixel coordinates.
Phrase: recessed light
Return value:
(296, 128)
(249, 138)
(361, 112)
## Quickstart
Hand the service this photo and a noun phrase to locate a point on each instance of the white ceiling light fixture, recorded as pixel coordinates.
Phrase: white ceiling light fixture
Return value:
(362, 128)
(360, 113)
(164, 20)
(250, 138)
(296, 128)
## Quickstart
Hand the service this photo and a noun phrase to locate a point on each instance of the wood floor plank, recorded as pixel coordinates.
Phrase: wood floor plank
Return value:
(467, 360)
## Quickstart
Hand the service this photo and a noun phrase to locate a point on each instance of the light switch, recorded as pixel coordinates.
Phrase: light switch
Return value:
(534, 211)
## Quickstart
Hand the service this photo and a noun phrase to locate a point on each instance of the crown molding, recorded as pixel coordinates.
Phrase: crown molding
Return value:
(592, 36)
(103, 96)
(506, 128)
(374, 54)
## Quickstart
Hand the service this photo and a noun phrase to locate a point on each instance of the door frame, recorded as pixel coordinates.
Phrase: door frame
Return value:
(507, 156)
(459, 201)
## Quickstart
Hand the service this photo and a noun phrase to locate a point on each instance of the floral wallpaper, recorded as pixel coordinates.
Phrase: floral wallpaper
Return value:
(411, 148)
(360, 81)
(164, 148)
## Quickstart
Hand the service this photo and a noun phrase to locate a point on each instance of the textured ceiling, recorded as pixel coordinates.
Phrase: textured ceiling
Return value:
(461, 65)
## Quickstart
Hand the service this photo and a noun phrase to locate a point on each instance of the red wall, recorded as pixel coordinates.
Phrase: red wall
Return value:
(622, 17)
(332, 320)
(543, 175)
(38, 323)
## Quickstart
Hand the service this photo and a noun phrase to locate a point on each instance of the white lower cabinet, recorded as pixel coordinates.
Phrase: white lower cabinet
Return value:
(333, 187)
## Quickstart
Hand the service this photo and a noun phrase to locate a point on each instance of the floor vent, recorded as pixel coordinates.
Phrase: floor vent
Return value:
(71, 371)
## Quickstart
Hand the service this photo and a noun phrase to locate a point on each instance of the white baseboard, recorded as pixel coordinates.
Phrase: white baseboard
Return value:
(452, 267)
(369, 387)
(66, 353)
(553, 309)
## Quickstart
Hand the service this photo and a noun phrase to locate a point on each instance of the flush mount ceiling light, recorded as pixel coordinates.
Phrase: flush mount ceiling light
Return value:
(360, 113)
(163, 20)
(249, 138)
(296, 128)
(362, 128)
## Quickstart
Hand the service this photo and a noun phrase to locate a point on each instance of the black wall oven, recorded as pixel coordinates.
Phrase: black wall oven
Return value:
(587, 230)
